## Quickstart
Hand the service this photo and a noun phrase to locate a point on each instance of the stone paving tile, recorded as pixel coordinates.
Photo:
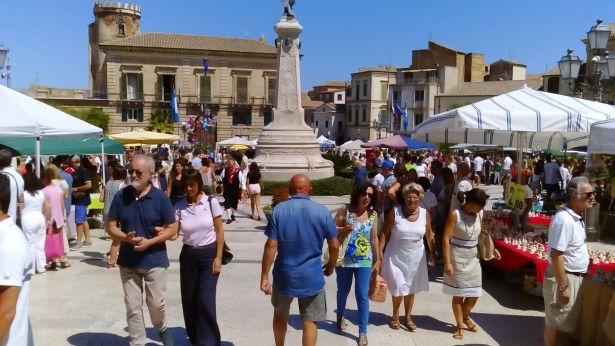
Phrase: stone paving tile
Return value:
(83, 305)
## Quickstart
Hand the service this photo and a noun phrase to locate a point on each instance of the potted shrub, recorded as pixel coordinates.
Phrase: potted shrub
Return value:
(278, 195)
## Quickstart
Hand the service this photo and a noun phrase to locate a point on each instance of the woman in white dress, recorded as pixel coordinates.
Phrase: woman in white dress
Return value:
(404, 263)
(33, 215)
(462, 271)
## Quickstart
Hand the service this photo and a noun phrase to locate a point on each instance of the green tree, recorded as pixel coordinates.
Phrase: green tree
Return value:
(160, 121)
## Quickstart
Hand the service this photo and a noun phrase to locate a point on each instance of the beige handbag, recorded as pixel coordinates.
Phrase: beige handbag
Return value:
(343, 245)
(486, 249)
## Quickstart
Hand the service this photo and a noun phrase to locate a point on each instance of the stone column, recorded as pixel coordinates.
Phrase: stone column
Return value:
(287, 145)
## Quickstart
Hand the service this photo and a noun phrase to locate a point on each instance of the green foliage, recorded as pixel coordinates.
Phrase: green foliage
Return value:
(278, 195)
(341, 165)
(457, 105)
(334, 186)
(160, 121)
(94, 116)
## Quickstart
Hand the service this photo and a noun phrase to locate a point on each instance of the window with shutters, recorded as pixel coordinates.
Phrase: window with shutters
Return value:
(364, 118)
(356, 115)
(272, 88)
(384, 91)
(205, 89)
(326, 124)
(242, 117)
(364, 88)
(241, 89)
(419, 95)
(132, 86)
(132, 114)
(164, 87)
(418, 118)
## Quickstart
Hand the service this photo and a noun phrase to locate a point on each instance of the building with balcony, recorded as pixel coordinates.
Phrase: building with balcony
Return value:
(137, 72)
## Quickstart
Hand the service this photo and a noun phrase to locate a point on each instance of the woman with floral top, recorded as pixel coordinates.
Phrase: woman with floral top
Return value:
(358, 236)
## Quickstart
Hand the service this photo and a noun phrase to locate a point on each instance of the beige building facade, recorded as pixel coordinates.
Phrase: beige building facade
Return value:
(367, 102)
(137, 72)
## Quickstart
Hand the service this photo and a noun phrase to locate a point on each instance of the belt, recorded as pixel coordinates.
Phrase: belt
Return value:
(577, 274)
(463, 243)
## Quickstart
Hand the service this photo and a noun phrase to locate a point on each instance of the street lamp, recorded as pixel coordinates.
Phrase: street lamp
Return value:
(602, 65)
(5, 61)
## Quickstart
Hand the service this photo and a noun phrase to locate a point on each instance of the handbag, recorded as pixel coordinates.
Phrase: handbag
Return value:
(486, 248)
(343, 243)
(227, 255)
(54, 244)
(18, 208)
(377, 288)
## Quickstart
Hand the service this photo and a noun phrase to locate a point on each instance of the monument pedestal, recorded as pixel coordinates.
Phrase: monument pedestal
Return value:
(287, 146)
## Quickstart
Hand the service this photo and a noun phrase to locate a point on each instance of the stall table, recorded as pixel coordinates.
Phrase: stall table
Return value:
(513, 259)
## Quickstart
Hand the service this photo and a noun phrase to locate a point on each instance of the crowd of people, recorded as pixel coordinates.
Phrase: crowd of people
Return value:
(419, 210)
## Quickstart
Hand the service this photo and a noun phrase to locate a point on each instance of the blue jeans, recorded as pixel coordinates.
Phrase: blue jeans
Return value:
(361, 288)
(198, 294)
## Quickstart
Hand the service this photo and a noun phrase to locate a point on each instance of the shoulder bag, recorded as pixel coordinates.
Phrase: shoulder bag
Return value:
(18, 208)
(227, 255)
(486, 248)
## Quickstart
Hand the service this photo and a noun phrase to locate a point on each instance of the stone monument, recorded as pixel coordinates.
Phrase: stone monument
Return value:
(287, 145)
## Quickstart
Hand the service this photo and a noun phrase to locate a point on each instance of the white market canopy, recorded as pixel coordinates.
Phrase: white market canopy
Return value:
(236, 141)
(601, 139)
(548, 121)
(23, 116)
(352, 145)
(324, 140)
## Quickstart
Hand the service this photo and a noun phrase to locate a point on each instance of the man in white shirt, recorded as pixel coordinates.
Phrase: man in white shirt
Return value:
(506, 166)
(196, 160)
(568, 261)
(15, 181)
(464, 184)
(478, 169)
(15, 274)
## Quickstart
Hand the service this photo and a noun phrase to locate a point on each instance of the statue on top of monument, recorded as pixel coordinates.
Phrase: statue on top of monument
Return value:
(288, 8)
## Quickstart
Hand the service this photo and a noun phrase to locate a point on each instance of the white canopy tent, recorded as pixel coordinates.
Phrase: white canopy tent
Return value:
(23, 116)
(352, 147)
(524, 118)
(601, 138)
(324, 140)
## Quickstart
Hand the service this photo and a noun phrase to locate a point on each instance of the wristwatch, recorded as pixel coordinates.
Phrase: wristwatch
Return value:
(562, 288)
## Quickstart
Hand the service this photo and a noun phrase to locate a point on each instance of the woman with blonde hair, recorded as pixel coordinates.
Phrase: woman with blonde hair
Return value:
(404, 263)
(57, 215)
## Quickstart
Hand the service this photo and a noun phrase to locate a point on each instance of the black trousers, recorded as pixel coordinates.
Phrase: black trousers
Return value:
(198, 292)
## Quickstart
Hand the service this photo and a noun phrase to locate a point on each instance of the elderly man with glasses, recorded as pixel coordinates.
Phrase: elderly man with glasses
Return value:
(568, 261)
(147, 221)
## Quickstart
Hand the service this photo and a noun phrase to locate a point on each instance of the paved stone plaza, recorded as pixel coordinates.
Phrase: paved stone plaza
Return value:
(83, 305)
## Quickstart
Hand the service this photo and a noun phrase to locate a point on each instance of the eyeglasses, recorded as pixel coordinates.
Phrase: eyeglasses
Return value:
(588, 195)
(135, 171)
(367, 194)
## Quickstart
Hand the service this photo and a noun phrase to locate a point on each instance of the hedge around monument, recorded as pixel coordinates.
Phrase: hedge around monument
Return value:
(334, 186)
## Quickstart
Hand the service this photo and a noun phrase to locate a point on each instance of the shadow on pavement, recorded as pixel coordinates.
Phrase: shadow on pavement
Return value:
(509, 329)
(296, 322)
(97, 339)
(509, 295)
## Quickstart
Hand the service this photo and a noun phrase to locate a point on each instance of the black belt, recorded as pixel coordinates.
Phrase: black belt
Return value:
(577, 274)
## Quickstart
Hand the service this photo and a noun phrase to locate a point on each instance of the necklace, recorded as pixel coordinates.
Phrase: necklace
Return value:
(464, 220)
(411, 213)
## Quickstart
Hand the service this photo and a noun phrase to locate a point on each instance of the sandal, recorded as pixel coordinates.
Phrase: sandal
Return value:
(341, 324)
(472, 327)
(362, 339)
(458, 334)
(64, 264)
(394, 324)
(410, 325)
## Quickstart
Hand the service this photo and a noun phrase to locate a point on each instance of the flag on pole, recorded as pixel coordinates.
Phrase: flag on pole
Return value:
(175, 107)
(205, 66)
(405, 115)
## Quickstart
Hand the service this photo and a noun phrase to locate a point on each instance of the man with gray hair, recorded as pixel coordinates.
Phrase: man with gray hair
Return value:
(147, 221)
(568, 261)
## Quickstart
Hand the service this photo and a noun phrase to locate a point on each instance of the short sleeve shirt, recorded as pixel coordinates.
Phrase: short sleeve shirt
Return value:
(463, 185)
(567, 234)
(300, 227)
(197, 220)
(378, 180)
(142, 215)
(16, 269)
(80, 178)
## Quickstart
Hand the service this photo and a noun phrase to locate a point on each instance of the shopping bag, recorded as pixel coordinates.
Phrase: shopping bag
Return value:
(377, 288)
(54, 246)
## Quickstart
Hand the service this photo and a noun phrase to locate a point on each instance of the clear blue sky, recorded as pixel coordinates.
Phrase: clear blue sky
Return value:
(48, 38)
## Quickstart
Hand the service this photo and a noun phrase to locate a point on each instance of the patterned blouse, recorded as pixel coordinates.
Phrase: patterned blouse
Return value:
(359, 251)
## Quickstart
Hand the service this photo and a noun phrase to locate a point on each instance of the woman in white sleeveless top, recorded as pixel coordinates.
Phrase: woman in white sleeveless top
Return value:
(404, 263)
(462, 271)
(33, 215)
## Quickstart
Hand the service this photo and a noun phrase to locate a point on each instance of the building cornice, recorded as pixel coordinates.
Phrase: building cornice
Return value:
(185, 52)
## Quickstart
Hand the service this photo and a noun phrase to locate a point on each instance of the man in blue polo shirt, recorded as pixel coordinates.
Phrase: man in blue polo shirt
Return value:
(147, 221)
(296, 231)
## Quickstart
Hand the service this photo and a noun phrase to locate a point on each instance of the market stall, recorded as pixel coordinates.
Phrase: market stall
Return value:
(399, 142)
(142, 137)
(352, 147)
(235, 141)
(25, 117)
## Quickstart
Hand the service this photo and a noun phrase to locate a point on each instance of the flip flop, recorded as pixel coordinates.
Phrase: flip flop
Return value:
(458, 334)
